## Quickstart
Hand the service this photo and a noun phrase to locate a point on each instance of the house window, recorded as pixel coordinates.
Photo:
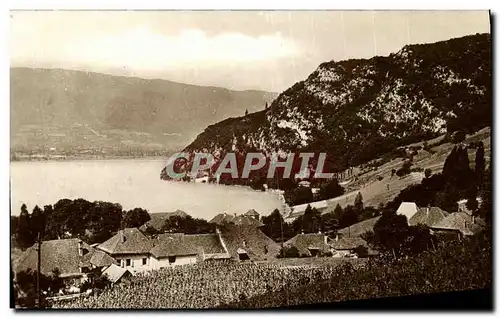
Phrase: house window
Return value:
(127, 262)
(144, 261)
(171, 259)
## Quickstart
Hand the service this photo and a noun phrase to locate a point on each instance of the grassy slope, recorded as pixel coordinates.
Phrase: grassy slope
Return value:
(375, 192)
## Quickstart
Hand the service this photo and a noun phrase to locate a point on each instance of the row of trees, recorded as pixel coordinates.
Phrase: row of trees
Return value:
(313, 221)
(93, 221)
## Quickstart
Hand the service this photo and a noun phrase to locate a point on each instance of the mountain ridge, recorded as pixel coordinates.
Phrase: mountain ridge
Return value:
(355, 110)
(68, 109)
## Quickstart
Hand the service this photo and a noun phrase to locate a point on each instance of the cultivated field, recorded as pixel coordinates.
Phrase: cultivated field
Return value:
(206, 285)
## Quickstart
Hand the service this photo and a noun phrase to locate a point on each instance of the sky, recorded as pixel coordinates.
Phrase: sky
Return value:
(241, 50)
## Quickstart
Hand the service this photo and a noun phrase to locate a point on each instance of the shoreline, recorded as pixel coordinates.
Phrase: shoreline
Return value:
(86, 158)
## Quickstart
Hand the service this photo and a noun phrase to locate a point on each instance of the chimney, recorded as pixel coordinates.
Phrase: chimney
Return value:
(427, 210)
(473, 219)
(326, 239)
(337, 238)
(123, 238)
(244, 243)
(80, 248)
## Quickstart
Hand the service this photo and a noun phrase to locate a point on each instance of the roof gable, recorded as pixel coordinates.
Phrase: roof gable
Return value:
(127, 241)
(407, 209)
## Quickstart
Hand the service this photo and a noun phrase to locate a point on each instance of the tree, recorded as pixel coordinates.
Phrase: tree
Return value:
(480, 164)
(338, 211)
(331, 189)
(358, 202)
(23, 231)
(266, 106)
(298, 196)
(37, 222)
(361, 251)
(135, 218)
(390, 231)
(274, 226)
(246, 112)
(428, 173)
(330, 222)
(486, 209)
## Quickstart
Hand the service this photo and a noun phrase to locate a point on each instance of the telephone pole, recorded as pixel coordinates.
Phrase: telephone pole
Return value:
(38, 293)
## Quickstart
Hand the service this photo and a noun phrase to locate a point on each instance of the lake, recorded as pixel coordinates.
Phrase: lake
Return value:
(130, 182)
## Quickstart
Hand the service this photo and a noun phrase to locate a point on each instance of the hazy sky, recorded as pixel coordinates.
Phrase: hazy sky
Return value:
(240, 50)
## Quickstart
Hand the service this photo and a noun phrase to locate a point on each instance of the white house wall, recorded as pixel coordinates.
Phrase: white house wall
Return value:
(135, 261)
(179, 260)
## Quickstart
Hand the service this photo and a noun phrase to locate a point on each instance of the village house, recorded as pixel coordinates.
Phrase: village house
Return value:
(429, 216)
(133, 251)
(180, 249)
(130, 248)
(248, 242)
(75, 260)
(224, 218)
(346, 246)
(310, 244)
(457, 225)
(253, 214)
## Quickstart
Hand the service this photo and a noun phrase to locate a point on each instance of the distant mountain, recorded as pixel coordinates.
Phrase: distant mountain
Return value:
(359, 109)
(66, 109)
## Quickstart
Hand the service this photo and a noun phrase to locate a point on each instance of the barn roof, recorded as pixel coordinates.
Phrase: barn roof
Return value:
(61, 254)
(127, 241)
(309, 240)
(428, 216)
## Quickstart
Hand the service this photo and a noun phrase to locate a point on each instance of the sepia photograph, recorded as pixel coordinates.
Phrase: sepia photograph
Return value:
(233, 159)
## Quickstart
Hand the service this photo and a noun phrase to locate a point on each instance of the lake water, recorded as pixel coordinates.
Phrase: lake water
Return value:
(130, 182)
